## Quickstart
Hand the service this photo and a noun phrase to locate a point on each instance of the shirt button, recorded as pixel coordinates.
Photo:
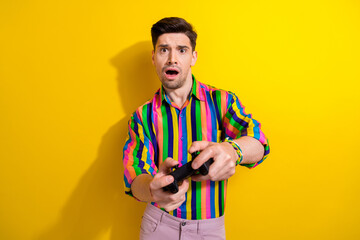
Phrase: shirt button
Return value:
(183, 223)
(182, 138)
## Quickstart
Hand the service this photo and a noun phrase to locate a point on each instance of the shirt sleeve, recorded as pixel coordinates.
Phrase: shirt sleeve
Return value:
(138, 153)
(238, 124)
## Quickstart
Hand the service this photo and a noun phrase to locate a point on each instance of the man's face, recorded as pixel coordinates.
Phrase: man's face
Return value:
(173, 58)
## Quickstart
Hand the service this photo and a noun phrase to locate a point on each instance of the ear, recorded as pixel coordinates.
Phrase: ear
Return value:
(194, 58)
(152, 57)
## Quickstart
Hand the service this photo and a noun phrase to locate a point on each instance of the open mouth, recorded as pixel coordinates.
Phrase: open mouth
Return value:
(171, 72)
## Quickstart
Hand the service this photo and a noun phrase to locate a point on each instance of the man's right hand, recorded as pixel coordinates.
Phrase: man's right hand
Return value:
(165, 199)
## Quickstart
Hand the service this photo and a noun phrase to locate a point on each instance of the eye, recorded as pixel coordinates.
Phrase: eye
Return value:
(163, 50)
(183, 50)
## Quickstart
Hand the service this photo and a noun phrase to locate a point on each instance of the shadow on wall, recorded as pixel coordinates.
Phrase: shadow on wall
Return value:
(98, 204)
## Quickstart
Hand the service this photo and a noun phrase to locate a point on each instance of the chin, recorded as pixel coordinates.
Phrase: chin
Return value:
(172, 84)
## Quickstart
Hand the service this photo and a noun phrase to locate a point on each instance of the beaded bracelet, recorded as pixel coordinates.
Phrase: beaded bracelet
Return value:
(237, 149)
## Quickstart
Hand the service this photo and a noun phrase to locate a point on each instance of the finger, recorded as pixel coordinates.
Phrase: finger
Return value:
(214, 169)
(222, 168)
(160, 182)
(198, 146)
(171, 207)
(179, 197)
(222, 173)
(205, 155)
(167, 164)
(183, 187)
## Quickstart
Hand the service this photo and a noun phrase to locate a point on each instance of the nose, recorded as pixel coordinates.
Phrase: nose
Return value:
(172, 58)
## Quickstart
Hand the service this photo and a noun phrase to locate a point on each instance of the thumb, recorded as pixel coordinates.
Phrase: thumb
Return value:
(160, 182)
(165, 166)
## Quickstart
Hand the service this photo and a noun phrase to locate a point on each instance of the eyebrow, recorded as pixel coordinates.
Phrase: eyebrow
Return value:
(179, 46)
(183, 46)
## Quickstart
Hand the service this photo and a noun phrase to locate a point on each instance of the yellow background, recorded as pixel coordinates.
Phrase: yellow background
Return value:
(72, 72)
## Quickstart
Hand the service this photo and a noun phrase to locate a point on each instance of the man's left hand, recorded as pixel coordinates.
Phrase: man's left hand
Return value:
(224, 157)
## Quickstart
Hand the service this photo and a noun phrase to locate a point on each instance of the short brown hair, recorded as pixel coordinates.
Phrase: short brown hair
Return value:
(173, 25)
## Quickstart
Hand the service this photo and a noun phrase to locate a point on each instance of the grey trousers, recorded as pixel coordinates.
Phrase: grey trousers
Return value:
(159, 225)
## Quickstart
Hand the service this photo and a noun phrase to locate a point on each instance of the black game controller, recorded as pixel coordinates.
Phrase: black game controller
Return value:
(185, 171)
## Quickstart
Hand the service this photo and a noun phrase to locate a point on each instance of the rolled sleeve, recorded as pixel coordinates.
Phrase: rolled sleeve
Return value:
(238, 124)
(138, 153)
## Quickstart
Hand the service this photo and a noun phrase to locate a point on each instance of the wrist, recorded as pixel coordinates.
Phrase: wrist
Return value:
(237, 149)
(151, 197)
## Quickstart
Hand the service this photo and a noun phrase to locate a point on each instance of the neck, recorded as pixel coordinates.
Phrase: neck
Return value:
(180, 95)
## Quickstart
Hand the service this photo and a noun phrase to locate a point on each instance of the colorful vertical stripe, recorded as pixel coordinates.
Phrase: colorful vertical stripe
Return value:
(160, 129)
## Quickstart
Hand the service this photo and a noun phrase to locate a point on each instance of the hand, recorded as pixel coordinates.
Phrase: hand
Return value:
(224, 157)
(167, 200)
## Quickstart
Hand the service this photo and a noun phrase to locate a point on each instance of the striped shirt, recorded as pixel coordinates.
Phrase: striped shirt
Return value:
(160, 129)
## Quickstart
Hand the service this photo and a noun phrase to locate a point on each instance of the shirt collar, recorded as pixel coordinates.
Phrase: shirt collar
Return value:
(197, 91)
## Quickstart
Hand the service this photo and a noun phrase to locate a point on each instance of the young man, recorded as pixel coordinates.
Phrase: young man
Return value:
(186, 116)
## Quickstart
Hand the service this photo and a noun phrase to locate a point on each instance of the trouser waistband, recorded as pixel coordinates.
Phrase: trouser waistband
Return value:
(194, 225)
